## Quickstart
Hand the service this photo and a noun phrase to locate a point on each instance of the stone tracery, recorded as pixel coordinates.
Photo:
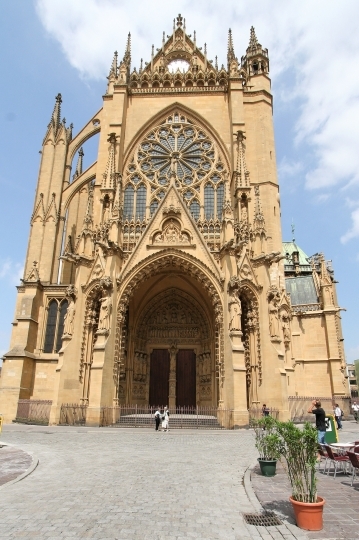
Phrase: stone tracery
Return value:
(181, 148)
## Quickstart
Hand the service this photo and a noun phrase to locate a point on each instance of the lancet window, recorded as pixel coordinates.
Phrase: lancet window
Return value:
(181, 148)
(56, 312)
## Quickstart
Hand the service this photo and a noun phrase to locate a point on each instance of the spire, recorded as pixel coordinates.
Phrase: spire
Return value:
(113, 69)
(78, 170)
(179, 20)
(88, 221)
(258, 222)
(110, 175)
(230, 49)
(253, 41)
(56, 114)
(242, 174)
(127, 56)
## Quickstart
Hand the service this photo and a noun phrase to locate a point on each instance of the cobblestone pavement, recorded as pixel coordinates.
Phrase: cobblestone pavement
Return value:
(109, 484)
(341, 510)
(13, 463)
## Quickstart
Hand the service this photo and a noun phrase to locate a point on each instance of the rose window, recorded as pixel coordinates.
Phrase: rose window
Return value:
(181, 148)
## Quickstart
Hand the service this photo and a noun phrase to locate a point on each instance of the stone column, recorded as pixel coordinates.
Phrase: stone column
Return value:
(172, 379)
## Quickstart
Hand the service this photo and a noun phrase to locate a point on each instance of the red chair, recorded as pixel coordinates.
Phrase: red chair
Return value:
(355, 464)
(323, 455)
(335, 459)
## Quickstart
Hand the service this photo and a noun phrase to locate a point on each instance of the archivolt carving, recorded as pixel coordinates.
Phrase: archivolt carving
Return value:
(100, 291)
(251, 339)
(173, 314)
(160, 263)
(171, 234)
(140, 367)
(204, 367)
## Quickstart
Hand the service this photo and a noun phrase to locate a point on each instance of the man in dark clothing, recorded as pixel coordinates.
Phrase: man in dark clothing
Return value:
(316, 408)
(157, 418)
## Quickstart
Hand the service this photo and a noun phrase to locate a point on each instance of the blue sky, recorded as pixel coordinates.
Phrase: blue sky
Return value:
(51, 46)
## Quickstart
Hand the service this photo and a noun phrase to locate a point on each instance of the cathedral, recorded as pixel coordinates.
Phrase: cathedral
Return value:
(158, 275)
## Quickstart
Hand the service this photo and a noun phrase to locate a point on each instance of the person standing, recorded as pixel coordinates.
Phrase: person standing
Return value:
(338, 416)
(265, 410)
(157, 418)
(165, 421)
(355, 408)
(316, 408)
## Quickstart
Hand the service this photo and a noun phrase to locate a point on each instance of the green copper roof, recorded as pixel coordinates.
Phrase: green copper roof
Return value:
(289, 247)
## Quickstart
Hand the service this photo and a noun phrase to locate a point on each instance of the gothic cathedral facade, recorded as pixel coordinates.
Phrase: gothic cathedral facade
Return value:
(158, 275)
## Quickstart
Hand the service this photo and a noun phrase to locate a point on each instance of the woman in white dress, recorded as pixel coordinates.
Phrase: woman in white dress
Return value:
(165, 421)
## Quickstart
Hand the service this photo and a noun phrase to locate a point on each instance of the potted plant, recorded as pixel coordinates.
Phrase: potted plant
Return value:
(299, 450)
(268, 444)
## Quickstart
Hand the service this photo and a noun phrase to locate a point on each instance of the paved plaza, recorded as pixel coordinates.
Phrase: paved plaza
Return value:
(109, 484)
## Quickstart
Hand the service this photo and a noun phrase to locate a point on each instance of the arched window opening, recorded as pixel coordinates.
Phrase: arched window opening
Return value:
(141, 202)
(194, 209)
(60, 328)
(51, 326)
(208, 201)
(153, 207)
(176, 145)
(55, 325)
(128, 202)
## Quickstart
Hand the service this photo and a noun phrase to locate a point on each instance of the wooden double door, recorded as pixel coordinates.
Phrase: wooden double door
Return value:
(185, 377)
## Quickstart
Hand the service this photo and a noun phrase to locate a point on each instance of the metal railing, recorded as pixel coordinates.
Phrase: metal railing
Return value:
(180, 417)
(33, 411)
(299, 405)
(257, 412)
(73, 414)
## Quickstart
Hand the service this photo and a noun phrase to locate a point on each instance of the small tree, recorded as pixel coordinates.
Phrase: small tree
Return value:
(268, 443)
(299, 448)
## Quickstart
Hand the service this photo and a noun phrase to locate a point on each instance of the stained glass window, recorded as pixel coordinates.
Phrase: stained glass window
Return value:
(60, 328)
(209, 201)
(175, 147)
(194, 209)
(55, 325)
(141, 202)
(50, 327)
(128, 202)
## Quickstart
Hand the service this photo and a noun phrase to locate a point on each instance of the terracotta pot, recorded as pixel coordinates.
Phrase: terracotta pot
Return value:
(309, 516)
(268, 467)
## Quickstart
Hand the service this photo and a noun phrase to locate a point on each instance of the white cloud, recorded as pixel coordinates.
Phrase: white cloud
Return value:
(289, 168)
(313, 50)
(354, 230)
(11, 271)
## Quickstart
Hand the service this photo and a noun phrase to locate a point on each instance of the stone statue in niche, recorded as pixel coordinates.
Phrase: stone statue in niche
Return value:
(235, 312)
(140, 367)
(273, 318)
(171, 234)
(244, 212)
(106, 210)
(69, 319)
(286, 329)
(105, 314)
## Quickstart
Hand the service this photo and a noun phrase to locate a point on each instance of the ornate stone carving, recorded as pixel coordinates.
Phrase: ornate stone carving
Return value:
(173, 315)
(273, 297)
(235, 312)
(139, 391)
(104, 322)
(140, 367)
(286, 329)
(204, 367)
(171, 234)
(69, 319)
